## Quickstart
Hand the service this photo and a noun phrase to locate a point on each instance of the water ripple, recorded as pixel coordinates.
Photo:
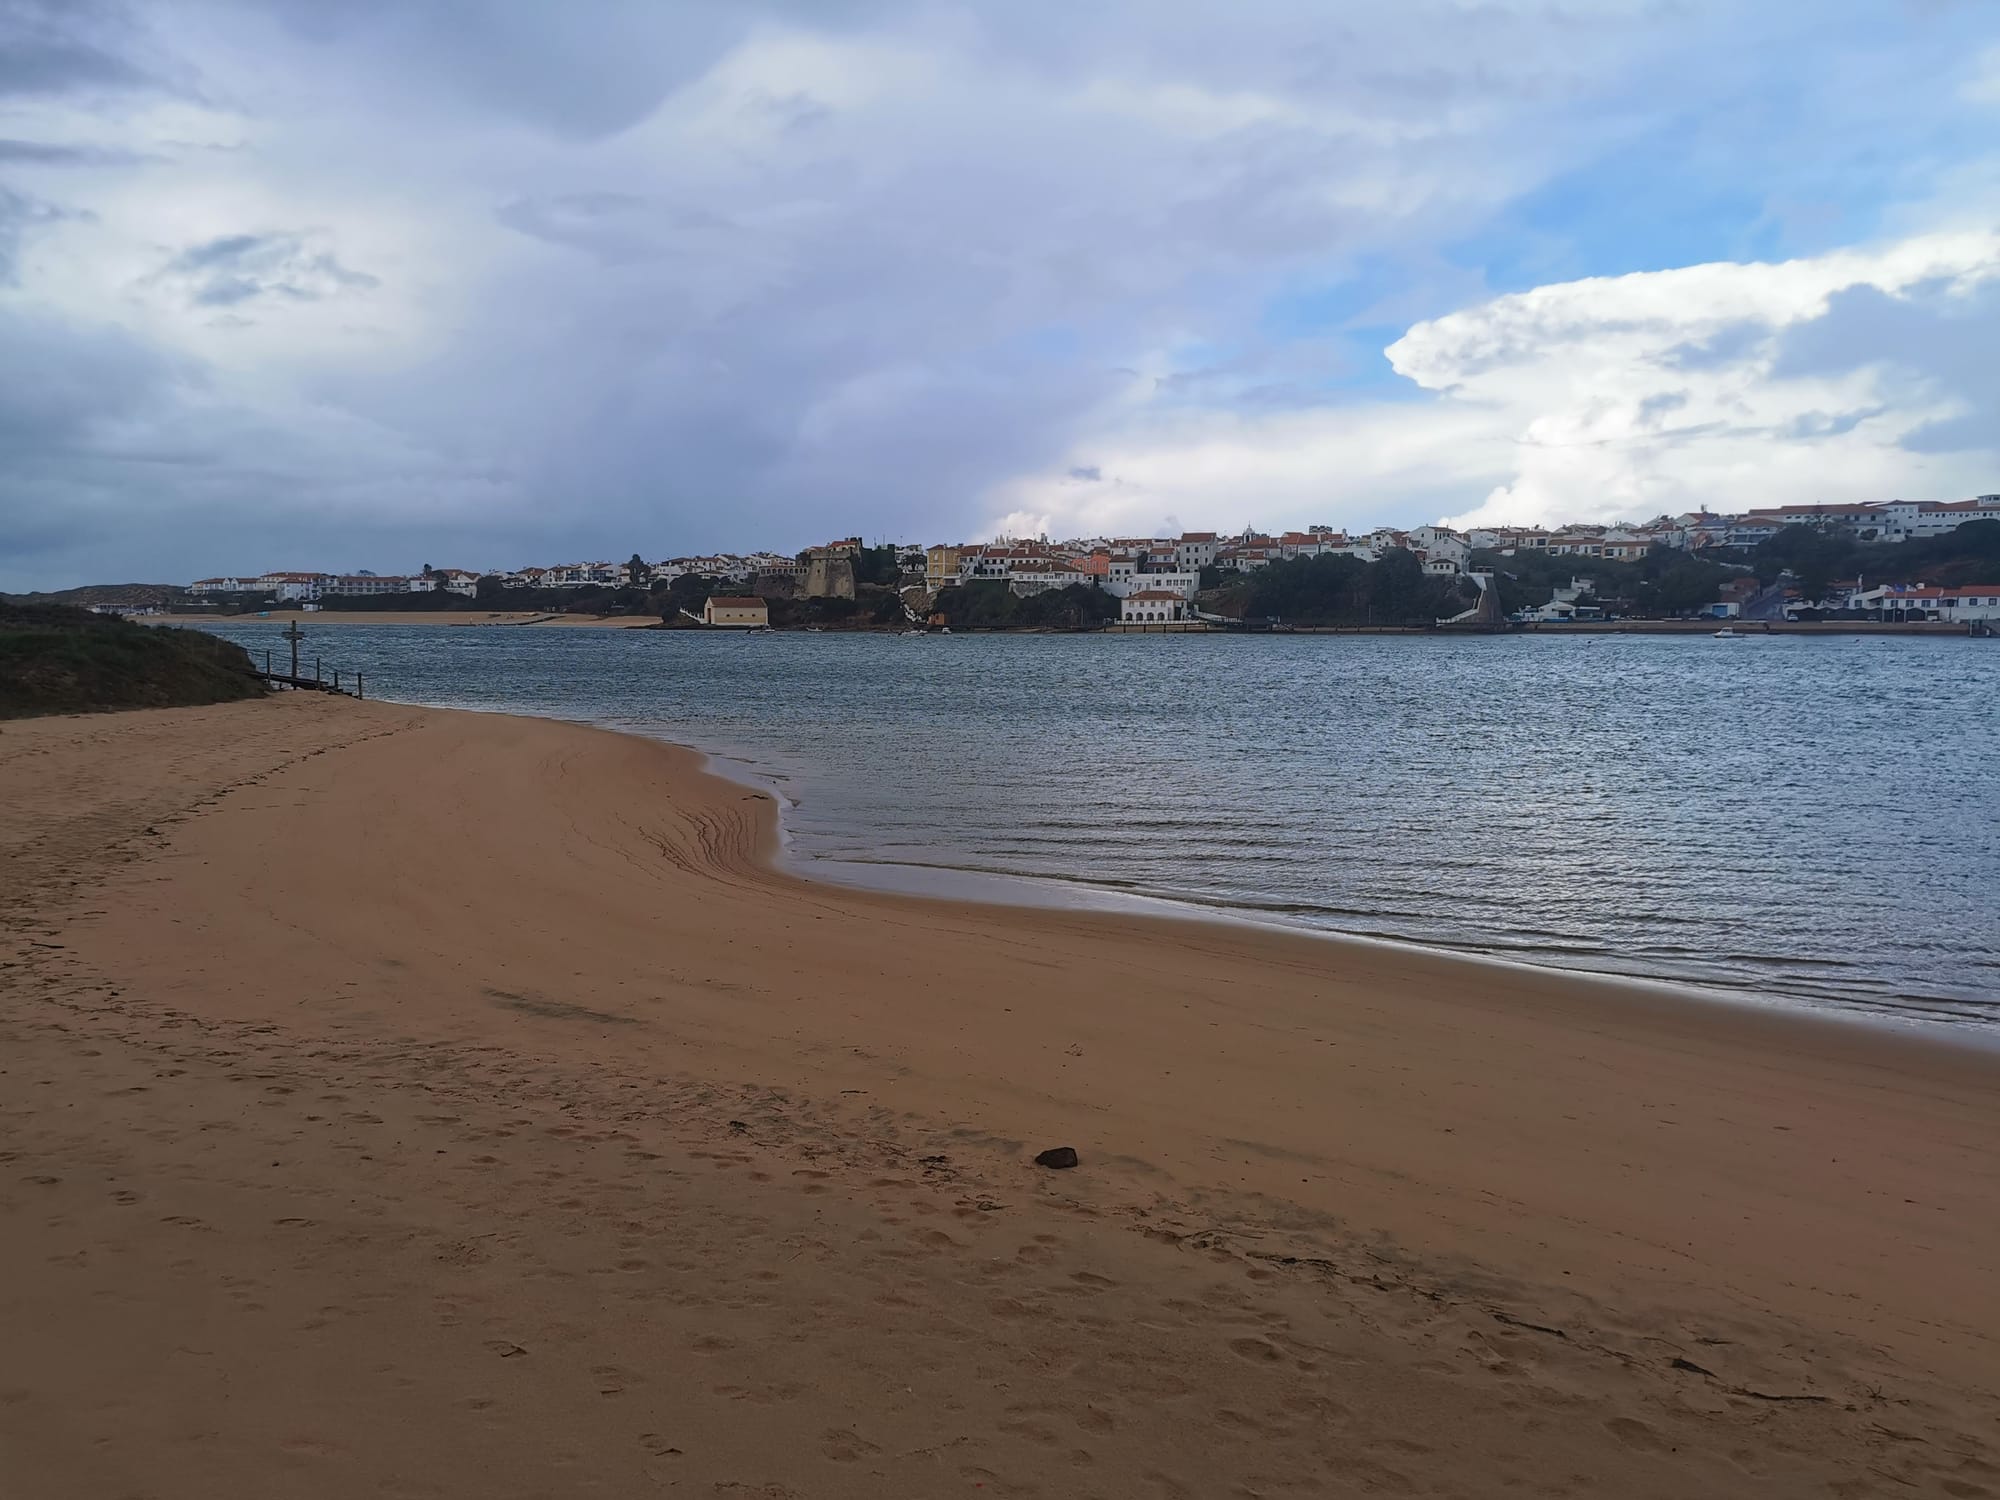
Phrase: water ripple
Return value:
(1789, 815)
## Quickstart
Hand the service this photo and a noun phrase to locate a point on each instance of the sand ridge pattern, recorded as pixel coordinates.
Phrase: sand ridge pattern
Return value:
(431, 1104)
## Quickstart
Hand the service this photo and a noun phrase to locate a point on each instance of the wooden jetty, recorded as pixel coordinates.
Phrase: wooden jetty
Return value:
(311, 684)
(297, 679)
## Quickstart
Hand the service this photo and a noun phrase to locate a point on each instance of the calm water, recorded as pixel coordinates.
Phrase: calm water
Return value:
(1811, 818)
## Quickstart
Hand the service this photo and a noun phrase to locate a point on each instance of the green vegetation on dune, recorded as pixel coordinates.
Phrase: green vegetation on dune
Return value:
(58, 660)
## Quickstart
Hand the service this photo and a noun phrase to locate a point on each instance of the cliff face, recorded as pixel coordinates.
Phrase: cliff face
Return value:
(56, 660)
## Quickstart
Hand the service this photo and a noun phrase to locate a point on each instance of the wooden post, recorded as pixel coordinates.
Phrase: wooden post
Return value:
(267, 664)
(316, 676)
(357, 686)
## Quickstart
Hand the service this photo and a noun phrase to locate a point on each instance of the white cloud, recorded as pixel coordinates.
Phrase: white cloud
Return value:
(1597, 399)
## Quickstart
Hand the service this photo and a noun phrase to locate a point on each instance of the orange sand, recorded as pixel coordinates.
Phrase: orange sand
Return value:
(406, 1102)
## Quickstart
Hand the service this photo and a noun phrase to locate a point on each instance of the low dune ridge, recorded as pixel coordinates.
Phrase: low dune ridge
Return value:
(410, 1102)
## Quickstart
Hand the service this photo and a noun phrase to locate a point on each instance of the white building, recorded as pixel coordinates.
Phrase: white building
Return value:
(1195, 550)
(353, 585)
(451, 580)
(1915, 520)
(1039, 575)
(1154, 607)
(293, 588)
(1624, 545)
(1909, 601)
(1247, 557)
(229, 585)
(1124, 584)
(1434, 542)
(1319, 541)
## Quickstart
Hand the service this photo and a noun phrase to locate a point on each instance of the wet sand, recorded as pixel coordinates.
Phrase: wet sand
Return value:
(408, 1102)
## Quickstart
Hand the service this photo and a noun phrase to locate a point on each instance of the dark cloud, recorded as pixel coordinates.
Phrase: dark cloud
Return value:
(20, 213)
(65, 46)
(574, 75)
(47, 154)
(1660, 405)
(1939, 334)
(1726, 346)
(614, 227)
(57, 429)
(239, 268)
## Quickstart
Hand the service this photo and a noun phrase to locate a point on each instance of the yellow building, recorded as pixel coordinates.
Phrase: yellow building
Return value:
(941, 566)
(743, 613)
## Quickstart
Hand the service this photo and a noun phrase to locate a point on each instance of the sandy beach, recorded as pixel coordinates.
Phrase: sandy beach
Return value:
(417, 1103)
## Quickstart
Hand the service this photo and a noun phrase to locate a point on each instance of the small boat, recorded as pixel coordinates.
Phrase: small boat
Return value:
(1727, 633)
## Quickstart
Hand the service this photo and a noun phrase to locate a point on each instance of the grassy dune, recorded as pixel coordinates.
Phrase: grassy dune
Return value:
(58, 660)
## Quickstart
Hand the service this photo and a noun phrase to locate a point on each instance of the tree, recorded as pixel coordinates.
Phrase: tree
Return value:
(638, 571)
(979, 602)
(877, 565)
(686, 592)
(1396, 588)
(1075, 605)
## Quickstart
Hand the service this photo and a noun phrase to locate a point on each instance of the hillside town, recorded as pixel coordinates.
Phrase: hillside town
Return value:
(1158, 580)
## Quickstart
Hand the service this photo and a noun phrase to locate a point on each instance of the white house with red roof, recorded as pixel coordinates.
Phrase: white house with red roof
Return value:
(451, 580)
(1928, 601)
(294, 587)
(1154, 607)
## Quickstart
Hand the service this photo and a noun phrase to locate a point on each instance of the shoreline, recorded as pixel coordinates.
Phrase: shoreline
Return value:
(516, 1027)
(1030, 892)
(1748, 630)
(1027, 892)
(1976, 1032)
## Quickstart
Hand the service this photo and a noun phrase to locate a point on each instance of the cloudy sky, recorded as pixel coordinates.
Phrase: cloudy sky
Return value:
(375, 283)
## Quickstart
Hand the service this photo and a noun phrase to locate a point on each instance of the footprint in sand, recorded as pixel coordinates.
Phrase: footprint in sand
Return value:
(1636, 1434)
(612, 1380)
(1257, 1351)
(844, 1446)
